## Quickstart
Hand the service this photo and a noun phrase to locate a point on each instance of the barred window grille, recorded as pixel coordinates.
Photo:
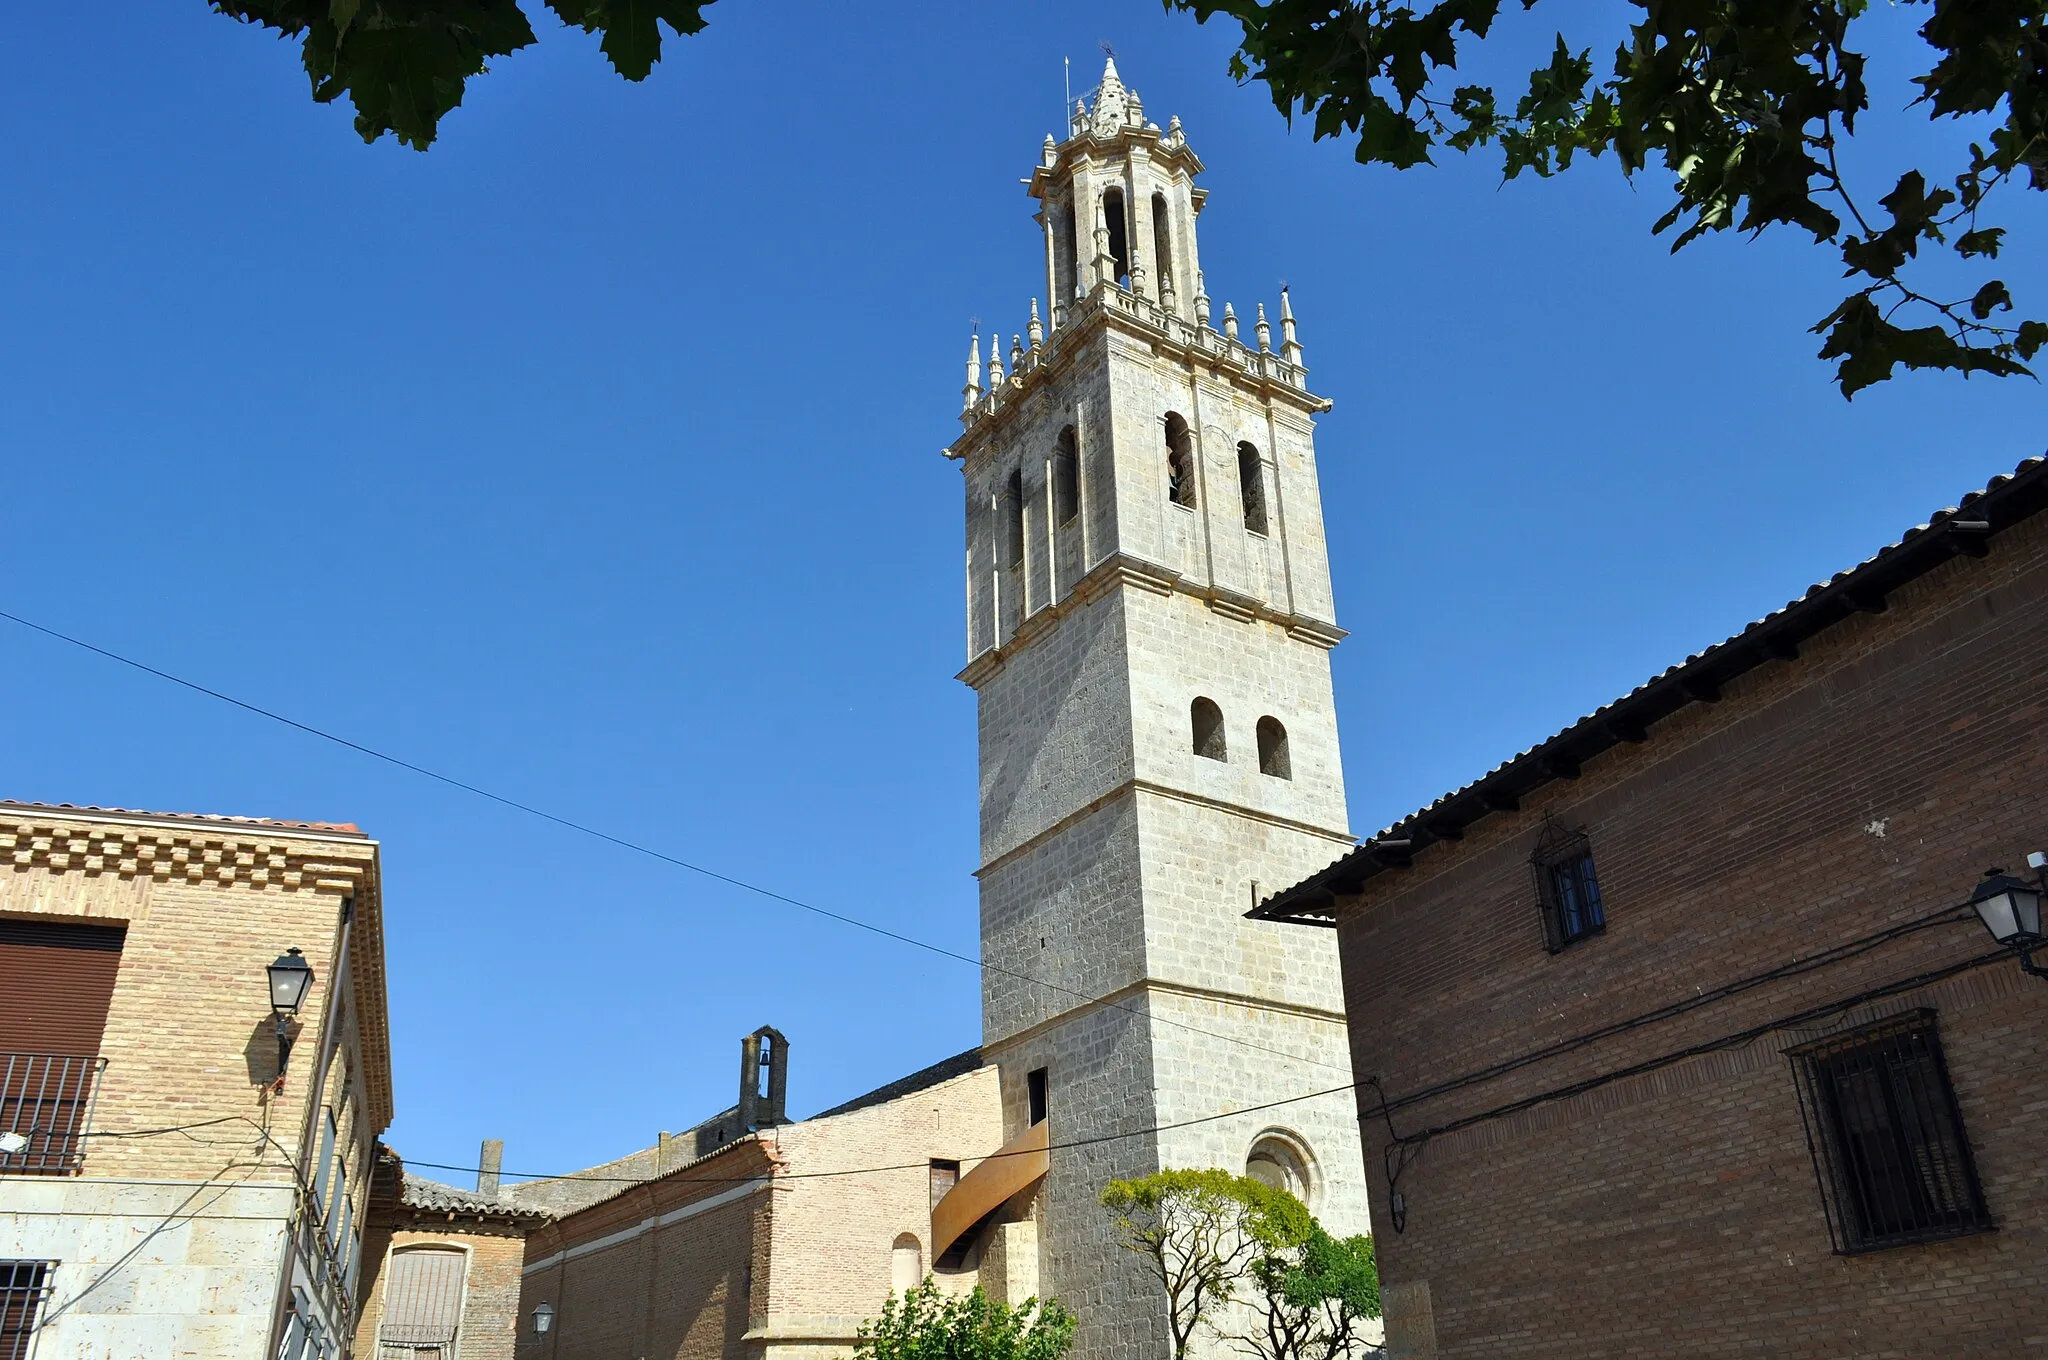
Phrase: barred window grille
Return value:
(1568, 889)
(1887, 1137)
(24, 1288)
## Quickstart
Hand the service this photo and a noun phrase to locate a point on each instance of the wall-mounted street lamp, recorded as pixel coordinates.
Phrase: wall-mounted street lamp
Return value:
(2010, 909)
(291, 977)
(543, 1318)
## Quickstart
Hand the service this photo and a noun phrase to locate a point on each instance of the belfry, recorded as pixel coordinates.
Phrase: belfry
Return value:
(1149, 622)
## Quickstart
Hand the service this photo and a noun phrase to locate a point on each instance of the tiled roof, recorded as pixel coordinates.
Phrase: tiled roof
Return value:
(1961, 530)
(434, 1197)
(944, 1070)
(85, 809)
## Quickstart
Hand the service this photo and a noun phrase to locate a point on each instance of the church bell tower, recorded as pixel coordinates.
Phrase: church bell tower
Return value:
(1149, 624)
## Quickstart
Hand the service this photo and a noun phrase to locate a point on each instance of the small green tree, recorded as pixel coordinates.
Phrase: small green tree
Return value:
(1311, 1292)
(1198, 1230)
(925, 1324)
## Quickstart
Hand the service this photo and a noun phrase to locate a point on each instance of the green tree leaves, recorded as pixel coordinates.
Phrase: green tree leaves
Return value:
(404, 64)
(925, 1324)
(1744, 102)
(1208, 1235)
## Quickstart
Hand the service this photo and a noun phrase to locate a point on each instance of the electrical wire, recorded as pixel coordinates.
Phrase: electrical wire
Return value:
(1096, 1140)
(623, 843)
(1739, 1039)
(1813, 962)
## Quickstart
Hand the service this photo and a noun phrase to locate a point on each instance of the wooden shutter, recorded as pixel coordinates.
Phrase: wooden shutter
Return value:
(56, 982)
(422, 1303)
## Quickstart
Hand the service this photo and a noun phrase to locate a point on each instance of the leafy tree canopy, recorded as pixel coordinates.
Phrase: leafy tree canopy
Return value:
(404, 63)
(926, 1324)
(1746, 102)
(1199, 1230)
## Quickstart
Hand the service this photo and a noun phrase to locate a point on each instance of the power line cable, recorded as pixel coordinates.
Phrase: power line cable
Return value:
(636, 847)
(534, 1176)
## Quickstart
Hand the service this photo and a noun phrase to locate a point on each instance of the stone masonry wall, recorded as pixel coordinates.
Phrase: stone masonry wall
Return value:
(1864, 785)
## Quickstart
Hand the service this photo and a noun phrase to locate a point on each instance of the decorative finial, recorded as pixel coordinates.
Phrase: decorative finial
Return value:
(1264, 331)
(1050, 152)
(1036, 330)
(995, 364)
(1290, 348)
(1016, 353)
(972, 392)
(1230, 321)
(1201, 300)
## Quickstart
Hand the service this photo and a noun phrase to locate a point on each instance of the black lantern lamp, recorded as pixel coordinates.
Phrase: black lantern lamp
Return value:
(2011, 910)
(291, 977)
(543, 1318)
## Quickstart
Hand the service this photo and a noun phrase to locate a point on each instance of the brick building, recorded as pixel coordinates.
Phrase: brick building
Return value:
(164, 1189)
(441, 1266)
(753, 1236)
(1675, 1035)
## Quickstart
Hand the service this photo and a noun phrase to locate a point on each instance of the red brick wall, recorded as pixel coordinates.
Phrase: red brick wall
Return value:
(490, 1284)
(680, 1291)
(1865, 784)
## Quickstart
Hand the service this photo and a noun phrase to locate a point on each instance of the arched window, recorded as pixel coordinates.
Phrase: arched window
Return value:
(1013, 518)
(1180, 461)
(1273, 749)
(1251, 485)
(1207, 720)
(906, 1264)
(1118, 222)
(423, 1300)
(1162, 246)
(1066, 477)
(1280, 1162)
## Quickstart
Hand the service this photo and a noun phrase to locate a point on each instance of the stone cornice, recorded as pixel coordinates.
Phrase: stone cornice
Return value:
(1121, 569)
(1131, 990)
(1133, 787)
(1112, 308)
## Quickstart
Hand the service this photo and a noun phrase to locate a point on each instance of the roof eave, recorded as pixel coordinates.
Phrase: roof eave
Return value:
(1963, 531)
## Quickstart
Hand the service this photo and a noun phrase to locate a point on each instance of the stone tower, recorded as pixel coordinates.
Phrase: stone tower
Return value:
(1149, 622)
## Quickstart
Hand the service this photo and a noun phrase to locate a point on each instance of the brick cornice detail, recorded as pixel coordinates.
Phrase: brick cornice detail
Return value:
(166, 855)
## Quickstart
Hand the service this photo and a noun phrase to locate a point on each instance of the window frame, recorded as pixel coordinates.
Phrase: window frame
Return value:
(1560, 851)
(25, 1286)
(1943, 1168)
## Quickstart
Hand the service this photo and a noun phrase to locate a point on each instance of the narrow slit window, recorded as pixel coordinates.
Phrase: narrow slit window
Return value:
(1118, 222)
(1072, 276)
(1251, 483)
(1035, 1094)
(1162, 248)
(1180, 461)
(1066, 477)
(1273, 749)
(1887, 1136)
(1013, 518)
(1207, 722)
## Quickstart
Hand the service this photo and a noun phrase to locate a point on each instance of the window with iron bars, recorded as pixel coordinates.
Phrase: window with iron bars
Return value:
(1887, 1137)
(24, 1288)
(1567, 888)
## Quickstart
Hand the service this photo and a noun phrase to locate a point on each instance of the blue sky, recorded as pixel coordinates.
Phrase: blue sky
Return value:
(593, 457)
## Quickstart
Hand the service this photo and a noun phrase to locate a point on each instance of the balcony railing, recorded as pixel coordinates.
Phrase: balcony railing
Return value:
(46, 1103)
